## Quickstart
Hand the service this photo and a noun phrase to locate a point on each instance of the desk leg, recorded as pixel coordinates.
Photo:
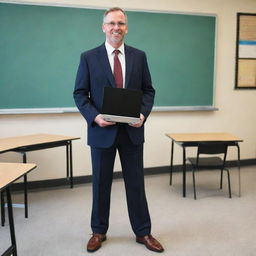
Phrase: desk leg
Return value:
(25, 186)
(71, 164)
(171, 163)
(184, 171)
(238, 165)
(2, 209)
(67, 159)
(10, 214)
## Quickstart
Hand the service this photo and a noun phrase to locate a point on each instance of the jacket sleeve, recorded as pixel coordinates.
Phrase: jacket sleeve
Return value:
(148, 90)
(81, 92)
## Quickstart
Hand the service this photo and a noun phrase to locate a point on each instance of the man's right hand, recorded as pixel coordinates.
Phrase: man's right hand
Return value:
(101, 122)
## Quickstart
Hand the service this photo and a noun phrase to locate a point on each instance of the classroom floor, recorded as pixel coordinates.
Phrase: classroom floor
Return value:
(213, 225)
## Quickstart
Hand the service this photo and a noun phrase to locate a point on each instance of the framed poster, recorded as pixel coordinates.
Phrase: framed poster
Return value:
(246, 51)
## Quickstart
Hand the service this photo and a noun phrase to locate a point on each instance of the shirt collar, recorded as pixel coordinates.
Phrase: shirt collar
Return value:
(110, 48)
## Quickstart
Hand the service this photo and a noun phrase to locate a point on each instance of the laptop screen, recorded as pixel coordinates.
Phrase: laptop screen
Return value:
(121, 102)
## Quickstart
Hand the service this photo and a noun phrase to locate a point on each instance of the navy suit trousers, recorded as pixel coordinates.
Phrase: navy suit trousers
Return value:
(131, 157)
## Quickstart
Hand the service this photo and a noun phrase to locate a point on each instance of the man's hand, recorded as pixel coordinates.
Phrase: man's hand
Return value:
(140, 123)
(101, 122)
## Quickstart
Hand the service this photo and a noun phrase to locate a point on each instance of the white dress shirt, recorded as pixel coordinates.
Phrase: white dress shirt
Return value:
(110, 51)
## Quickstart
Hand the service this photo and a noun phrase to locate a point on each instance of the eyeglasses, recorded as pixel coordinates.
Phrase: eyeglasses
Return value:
(112, 24)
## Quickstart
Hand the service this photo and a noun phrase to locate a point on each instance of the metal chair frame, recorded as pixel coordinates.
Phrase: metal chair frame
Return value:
(212, 162)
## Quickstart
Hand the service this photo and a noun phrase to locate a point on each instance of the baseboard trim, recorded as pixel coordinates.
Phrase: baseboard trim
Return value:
(52, 183)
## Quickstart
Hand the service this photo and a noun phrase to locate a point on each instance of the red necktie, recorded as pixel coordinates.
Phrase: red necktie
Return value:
(118, 75)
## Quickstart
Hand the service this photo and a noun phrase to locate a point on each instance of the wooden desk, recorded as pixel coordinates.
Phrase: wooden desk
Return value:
(24, 144)
(9, 172)
(192, 140)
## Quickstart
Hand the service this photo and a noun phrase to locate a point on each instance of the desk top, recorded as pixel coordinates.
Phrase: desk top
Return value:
(9, 172)
(203, 137)
(29, 140)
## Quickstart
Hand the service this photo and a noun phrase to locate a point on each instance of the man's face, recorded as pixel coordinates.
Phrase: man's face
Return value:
(115, 28)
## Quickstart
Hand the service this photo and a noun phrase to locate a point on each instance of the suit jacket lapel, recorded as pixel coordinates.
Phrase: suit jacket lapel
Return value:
(128, 65)
(103, 58)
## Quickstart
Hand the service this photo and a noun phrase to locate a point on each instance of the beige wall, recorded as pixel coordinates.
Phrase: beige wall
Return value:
(236, 108)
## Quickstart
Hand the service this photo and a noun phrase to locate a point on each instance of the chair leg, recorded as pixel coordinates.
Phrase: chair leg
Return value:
(194, 183)
(221, 178)
(229, 186)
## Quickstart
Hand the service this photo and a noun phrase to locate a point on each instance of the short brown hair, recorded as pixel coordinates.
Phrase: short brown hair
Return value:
(114, 9)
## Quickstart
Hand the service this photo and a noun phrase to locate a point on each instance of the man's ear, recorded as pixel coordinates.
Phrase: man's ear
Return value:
(103, 28)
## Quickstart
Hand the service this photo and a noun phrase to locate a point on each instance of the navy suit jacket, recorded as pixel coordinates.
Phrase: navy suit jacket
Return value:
(94, 73)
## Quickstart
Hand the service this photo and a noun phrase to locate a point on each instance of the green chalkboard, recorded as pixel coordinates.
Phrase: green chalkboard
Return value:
(40, 48)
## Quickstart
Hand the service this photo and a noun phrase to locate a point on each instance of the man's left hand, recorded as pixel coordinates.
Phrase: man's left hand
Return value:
(140, 123)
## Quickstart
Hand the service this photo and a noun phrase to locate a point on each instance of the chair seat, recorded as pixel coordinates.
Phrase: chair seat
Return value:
(206, 162)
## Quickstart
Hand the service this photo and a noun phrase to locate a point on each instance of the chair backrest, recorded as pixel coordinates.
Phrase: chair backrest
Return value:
(212, 148)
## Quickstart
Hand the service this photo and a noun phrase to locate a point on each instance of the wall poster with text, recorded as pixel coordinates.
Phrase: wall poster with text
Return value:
(246, 51)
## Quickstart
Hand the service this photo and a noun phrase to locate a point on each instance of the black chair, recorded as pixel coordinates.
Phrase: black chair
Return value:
(219, 149)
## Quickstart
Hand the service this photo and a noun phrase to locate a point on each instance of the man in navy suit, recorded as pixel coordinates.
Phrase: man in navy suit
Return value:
(106, 138)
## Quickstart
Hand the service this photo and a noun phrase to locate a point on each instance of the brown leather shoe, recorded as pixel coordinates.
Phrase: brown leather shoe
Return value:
(95, 242)
(150, 242)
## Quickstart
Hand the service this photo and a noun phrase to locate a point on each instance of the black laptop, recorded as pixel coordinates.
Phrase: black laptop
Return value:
(121, 105)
